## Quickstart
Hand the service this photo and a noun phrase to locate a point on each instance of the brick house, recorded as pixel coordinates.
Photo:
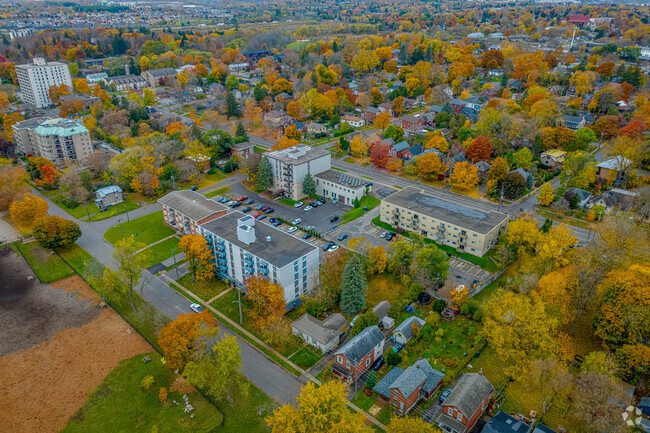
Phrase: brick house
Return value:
(413, 123)
(405, 388)
(370, 114)
(387, 107)
(399, 149)
(242, 150)
(457, 105)
(358, 354)
(186, 210)
(465, 404)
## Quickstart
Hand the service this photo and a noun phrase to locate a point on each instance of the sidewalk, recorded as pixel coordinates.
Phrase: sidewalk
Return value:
(266, 347)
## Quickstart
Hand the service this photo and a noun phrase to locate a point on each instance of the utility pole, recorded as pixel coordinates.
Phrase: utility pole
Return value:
(87, 211)
(127, 211)
(500, 197)
(175, 265)
(239, 299)
(119, 222)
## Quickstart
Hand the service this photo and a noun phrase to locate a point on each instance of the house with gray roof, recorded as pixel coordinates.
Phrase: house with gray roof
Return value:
(108, 196)
(381, 309)
(341, 187)
(616, 168)
(505, 423)
(323, 334)
(465, 404)
(186, 210)
(405, 388)
(582, 195)
(358, 354)
(404, 331)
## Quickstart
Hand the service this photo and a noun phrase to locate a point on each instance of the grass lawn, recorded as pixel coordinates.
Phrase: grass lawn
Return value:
(287, 202)
(259, 149)
(247, 413)
(211, 178)
(363, 401)
(120, 404)
(565, 219)
(48, 268)
(355, 213)
(130, 203)
(305, 357)
(147, 229)
(385, 414)
(217, 192)
(161, 251)
(205, 290)
(351, 160)
(383, 288)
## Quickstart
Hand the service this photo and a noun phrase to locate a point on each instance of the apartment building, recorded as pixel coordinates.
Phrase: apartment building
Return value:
(341, 187)
(24, 135)
(469, 230)
(186, 210)
(36, 79)
(243, 247)
(58, 140)
(291, 165)
(126, 82)
(155, 76)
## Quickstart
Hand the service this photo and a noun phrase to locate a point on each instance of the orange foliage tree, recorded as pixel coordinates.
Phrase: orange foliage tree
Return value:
(54, 232)
(480, 149)
(196, 249)
(429, 165)
(13, 182)
(464, 176)
(177, 338)
(382, 120)
(267, 298)
(29, 209)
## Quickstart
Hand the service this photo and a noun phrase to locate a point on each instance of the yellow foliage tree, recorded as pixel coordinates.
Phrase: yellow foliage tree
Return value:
(464, 176)
(437, 142)
(267, 298)
(523, 232)
(546, 194)
(377, 259)
(284, 143)
(382, 121)
(196, 249)
(394, 163)
(359, 146)
(555, 248)
(29, 209)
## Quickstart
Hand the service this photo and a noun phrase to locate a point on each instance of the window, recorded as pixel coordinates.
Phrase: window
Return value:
(450, 410)
(339, 360)
(459, 417)
(367, 362)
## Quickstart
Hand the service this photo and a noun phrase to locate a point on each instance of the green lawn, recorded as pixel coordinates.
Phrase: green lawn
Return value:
(363, 401)
(80, 212)
(120, 404)
(130, 203)
(259, 149)
(205, 290)
(384, 287)
(287, 202)
(147, 229)
(212, 178)
(217, 192)
(355, 213)
(47, 267)
(305, 357)
(161, 251)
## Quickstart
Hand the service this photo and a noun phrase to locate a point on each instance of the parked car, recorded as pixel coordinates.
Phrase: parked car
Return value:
(444, 395)
(332, 248)
(236, 204)
(310, 228)
(296, 221)
(249, 201)
(397, 348)
(378, 363)
(321, 201)
(326, 246)
(247, 209)
(261, 217)
(307, 208)
(334, 218)
(271, 220)
(277, 224)
(314, 204)
(383, 235)
(194, 188)
(260, 207)
(264, 208)
(197, 308)
(270, 210)
(342, 237)
(306, 236)
(389, 236)
(292, 229)
(243, 198)
(298, 204)
(257, 214)
(231, 202)
(424, 298)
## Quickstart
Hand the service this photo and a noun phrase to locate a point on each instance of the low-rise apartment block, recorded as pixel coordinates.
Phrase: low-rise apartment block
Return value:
(291, 165)
(341, 187)
(24, 135)
(185, 210)
(456, 225)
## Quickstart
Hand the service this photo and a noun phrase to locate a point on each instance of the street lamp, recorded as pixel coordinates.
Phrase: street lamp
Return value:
(175, 265)
(119, 222)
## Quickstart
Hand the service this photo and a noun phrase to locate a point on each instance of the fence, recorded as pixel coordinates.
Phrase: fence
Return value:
(487, 282)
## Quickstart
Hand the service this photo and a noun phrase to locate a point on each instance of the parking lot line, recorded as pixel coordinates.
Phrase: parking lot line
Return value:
(469, 271)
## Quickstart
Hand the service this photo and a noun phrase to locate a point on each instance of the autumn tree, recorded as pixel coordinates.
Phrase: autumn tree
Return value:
(26, 211)
(128, 276)
(523, 158)
(410, 425)
(597, 402)
(377, 260)
(382, 121)
(354, 286)
(464, 176)
(438, 142)
(379, 154)
(320, 409)
(394, 163)
(267, 298)
(555, 248)
(198, 256)
(430, 166)
(13, 183)
(177, 338)
(398, 105)
(480, 149)
(547, 378)
(358, 146)
(54, 232)
(431, 264)
(546, 194)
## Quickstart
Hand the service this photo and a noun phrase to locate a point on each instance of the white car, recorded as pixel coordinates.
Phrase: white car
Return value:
(296, 221)
(292, 229)
(333, 248)
(298, 204)
(307, 208)
(197, 308)
(310, 228)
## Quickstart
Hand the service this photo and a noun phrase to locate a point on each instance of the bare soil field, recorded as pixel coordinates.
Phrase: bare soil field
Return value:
(57, 345)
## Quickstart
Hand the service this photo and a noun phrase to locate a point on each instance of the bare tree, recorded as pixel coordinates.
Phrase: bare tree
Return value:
(548, 378)
(598, 402)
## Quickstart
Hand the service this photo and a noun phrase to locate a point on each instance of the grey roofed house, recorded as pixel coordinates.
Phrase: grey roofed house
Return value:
(162, 72)
(281, 251)
(103, 192)
(583, 196)
(615, 163)
(412, 378)
(405, 331)
(343, 179)
(436, 109)
(381, 309)
(469, 393)
(401, 146)
(541, 428)
(361, 344)
(505, 423)
(324, 331)
(483, 167)
(383, 386)
(191, 204)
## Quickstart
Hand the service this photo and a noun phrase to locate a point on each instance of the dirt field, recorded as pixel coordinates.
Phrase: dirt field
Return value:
(59, 346)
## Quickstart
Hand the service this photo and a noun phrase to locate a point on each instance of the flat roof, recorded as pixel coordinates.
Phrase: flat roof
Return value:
(417, 200)
(192, 204)
(342, 179)
(297, 154)
(281, 251)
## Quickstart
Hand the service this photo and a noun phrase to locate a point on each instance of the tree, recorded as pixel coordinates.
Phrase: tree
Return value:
(53, 232)
(354, 287)
(377, 259)
(398, 105)
(499, 169)
(546, 194)
(394, 163)
(430, 166)
(523, 158)
(519, 329)
(597, 402)
(177, 338)
(480, 149)
(319, 409)
(149, 98)
(437, 142)
(358, 146)
(393, 358)
(13, 183)
(232, 106)
(147, 383)
(400, 256)
(431, 264)
(371, 379)
(379, 154)
(464, 176)
(410, 425)
(555, 248)
(382, 121)
(547, 378)
(267, 298)
(162, 395)
(264, 175)
(394, 132)
(513, 184)
(309, 185)
(523, 233)
(369, 318)
(128, 275)
(28, 210)
(198, 256)
(215, 367)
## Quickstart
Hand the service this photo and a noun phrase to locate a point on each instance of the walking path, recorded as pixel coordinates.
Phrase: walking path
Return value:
(157, 242)
(220, 295)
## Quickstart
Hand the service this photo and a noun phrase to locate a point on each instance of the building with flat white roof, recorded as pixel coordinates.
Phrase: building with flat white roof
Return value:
(36, 79)
(341, 187)
(291, 165)
(243, 247)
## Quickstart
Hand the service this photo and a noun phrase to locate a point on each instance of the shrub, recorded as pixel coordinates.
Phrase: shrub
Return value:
(439, 305)
(393, 358)
(70, 203)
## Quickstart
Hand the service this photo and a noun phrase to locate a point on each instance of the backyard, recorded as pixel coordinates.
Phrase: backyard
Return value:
(147, 229)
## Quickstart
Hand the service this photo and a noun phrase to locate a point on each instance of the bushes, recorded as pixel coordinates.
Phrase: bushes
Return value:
(393, 358)
(70, 203)
(438, 305)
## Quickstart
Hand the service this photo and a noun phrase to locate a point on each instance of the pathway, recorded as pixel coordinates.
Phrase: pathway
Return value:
(157, 242)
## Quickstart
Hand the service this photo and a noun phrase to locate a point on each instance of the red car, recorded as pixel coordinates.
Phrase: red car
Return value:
(265, 208)
(258, 214)
(242, 198)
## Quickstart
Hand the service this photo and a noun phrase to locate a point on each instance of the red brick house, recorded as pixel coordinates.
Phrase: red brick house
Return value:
(186, 210)
(457, 105)
(466, 403)
(370, 114)
(400, 150)
(358, 354)
(413, 123)
(579, 20)
(405, 388)
(242, 150)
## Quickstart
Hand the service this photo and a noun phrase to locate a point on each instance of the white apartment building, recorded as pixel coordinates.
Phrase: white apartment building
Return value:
(291, 165)
(243, 247)
(341, 187)
(35, 81)
(469, 230)
(58, 140)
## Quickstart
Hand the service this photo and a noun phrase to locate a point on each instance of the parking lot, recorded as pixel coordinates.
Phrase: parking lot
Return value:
(463, 272)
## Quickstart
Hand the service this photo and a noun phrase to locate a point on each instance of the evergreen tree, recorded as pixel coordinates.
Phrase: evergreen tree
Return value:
(309, 185)
(371, 379)
(241, 131)
(264, 175)
(447, 108)
(403, 55)
(232, 106)
(354, 287)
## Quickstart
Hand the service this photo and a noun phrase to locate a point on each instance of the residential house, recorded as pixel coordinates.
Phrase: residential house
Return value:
(453, 161)
(381, 311)
(387, 107)
(370, 114)
(87, 100)
(574, 122)
(614, 198)
(525, 175)
(283, 97)
(470, 113)
(108, 196)
(242, 150)
(413, 124)
(465, 404)
(583, 196)
(323, 334)
(457, 105)
(404, 331)
(93, 79)
(314, 128)
(475, 103)
(435, 109)
(273, 118)
(405, 388)
(554, 158)
(505, 423)
(555, 90)
(495, 73)
(358, 354)
(579, 20)
(644, 405)
(126, 82)
(483, 169)
(186, 210)
(353, 121)
(541, 428)
(613, 167)
(399, 149)
(416, 150)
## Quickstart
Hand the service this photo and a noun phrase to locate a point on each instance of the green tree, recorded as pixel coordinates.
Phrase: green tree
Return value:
(393, 358)
(264, 175)
(431, 264)
(241, 131)
(309, 185)
(369, 318)
(127, 277)
(232, 106)
(53, 232)
(354, 287)
(371, 379)
(356, 202)
(394, 132)
(523, 158)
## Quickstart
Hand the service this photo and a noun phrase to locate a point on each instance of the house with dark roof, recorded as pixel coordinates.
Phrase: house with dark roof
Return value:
(574, 122)
(416, 150)
(323, 334)
(505, 423)
(399, 149)
(358, 354)
(370, 114)
(582, 195)
(404, 331)
(381, 310)
(525, 175)
(412, 123)
(579, 20)
(465, 404)
(405, 388)
(483, 169)
(108, 196)
(541, 428)
(242, 150)
(185, 210)
(457, 104)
